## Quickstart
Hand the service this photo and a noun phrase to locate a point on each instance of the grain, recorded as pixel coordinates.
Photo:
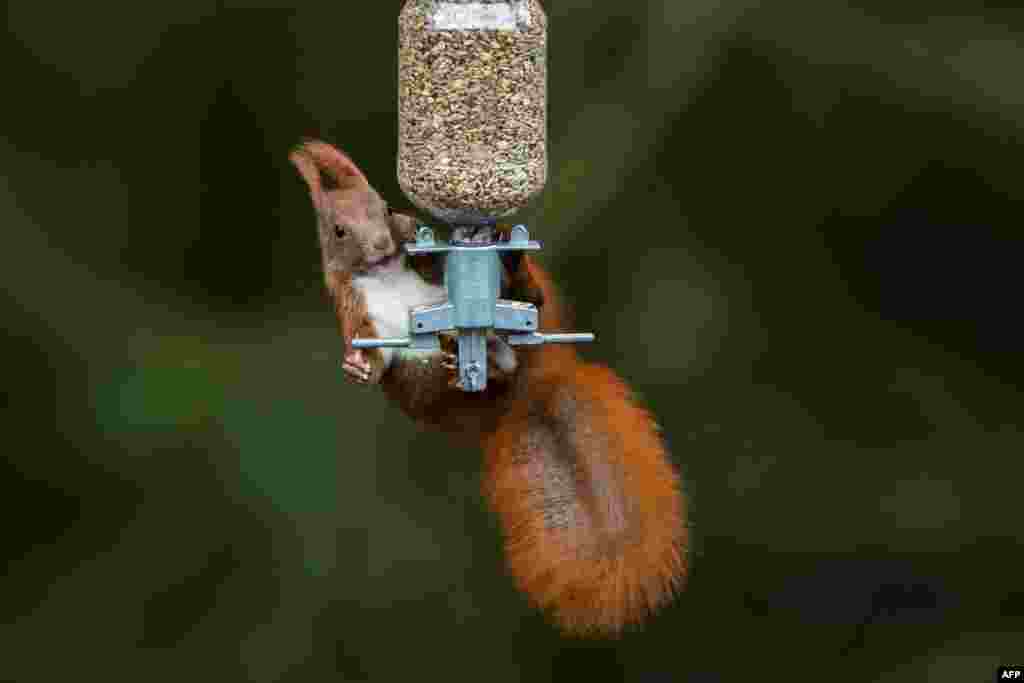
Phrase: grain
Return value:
(472, 107)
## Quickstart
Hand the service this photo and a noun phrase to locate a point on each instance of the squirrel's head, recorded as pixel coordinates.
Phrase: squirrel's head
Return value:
(357, 228)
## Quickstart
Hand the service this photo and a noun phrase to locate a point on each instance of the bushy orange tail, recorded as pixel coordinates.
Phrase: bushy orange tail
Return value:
(588, 499)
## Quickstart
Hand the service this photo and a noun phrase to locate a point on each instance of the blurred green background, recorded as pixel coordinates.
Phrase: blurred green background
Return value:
(795, 228)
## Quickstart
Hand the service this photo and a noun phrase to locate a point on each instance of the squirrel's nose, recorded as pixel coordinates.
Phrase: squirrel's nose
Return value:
(382, 243)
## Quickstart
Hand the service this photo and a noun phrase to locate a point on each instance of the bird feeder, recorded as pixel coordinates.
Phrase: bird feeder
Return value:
(472, 149)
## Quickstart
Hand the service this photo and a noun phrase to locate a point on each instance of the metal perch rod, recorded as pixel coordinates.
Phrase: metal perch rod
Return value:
(514, 340)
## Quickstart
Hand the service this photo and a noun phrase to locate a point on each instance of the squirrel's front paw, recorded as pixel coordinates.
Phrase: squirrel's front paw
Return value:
(357, 367)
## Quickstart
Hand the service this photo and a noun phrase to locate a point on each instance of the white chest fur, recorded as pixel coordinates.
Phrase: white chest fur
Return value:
(389, 296)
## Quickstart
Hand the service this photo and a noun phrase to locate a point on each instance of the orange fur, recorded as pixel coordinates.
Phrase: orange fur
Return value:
(578, 475)
(350, 308)
(590, 504)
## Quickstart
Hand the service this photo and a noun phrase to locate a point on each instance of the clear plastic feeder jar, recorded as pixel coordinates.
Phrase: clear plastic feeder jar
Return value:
(472, 107)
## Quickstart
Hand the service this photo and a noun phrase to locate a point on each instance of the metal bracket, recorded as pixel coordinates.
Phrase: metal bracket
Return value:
(472, 277)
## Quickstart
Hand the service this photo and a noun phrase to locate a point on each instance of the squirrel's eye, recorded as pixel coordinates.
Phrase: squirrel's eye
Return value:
(339, 231)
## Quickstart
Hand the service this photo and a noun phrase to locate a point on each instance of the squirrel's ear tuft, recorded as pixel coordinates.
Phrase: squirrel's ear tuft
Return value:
(305, 164)
(313, 158)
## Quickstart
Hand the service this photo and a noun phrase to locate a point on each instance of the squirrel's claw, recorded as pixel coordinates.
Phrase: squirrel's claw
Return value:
(450, 363)
(355, 373)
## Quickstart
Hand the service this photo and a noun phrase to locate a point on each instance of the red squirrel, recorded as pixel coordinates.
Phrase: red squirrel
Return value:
(576, 471)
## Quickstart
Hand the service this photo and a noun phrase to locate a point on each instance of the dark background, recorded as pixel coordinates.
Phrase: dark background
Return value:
(794, 226)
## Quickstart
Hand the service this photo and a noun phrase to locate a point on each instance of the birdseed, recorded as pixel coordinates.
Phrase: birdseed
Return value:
(472, 107)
